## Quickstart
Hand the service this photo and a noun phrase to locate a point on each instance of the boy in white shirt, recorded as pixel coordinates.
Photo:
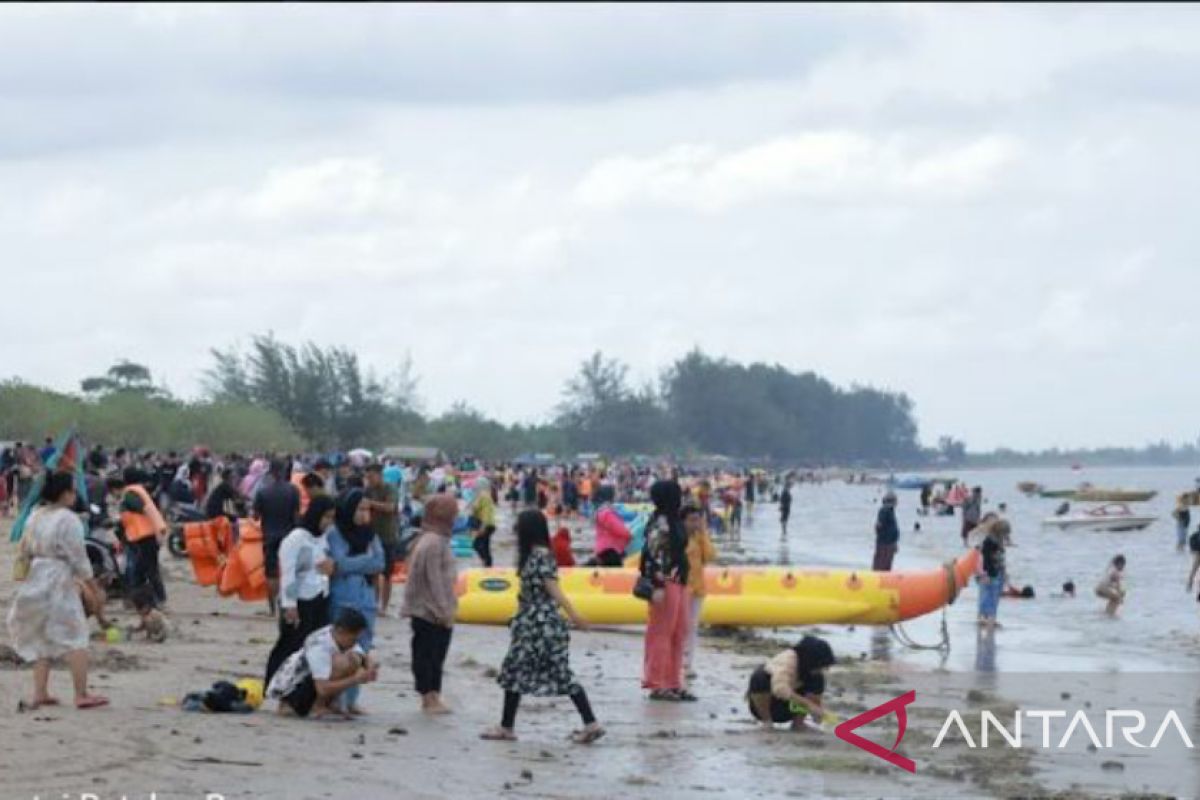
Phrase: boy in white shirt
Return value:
(312, 680)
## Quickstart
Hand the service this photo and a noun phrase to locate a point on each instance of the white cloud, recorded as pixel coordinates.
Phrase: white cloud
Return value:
(830, 165)
(929, 198)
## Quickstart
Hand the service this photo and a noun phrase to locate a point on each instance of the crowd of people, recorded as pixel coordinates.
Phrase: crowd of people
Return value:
(334, 527)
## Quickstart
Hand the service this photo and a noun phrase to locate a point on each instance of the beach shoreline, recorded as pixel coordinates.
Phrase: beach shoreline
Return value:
(144, 744)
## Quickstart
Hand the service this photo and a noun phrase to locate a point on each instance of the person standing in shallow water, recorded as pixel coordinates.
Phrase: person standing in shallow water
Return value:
(429, 600)
(1183, 520)
(972, 511)
(538, 660)
(785, 506)
(887, 534)
(1110, 587)
(993, 568)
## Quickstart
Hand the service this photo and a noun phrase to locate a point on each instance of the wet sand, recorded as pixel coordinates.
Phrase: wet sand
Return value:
(142, 744)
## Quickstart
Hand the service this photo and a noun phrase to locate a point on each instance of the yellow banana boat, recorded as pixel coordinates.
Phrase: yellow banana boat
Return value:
(745, 596)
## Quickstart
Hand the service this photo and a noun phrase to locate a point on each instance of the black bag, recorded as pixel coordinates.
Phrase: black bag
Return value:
(644, 588)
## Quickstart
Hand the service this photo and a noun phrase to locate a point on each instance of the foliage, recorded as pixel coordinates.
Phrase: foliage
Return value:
(719, 406)
(124, 376)
(130, 419)
(322, 392)
(600, 412)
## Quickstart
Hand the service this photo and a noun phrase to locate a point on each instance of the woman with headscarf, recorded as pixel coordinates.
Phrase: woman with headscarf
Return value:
(250, 484)
(304, 570)
(357, 556)
(665, 563)
(429, 599)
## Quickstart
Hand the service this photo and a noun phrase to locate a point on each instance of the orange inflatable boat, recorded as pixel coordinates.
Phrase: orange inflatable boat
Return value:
(743, 596)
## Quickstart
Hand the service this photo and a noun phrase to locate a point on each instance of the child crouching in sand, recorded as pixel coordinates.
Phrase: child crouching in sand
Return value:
(311, 681)
(789, 687)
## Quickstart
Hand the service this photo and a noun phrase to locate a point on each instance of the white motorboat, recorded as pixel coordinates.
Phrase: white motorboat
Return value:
(1109, 517)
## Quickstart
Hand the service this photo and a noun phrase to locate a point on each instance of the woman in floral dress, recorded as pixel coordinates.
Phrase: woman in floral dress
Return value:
(538, 660)
(47, 619)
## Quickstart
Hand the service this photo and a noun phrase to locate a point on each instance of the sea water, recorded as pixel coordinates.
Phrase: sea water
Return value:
(1157, 629)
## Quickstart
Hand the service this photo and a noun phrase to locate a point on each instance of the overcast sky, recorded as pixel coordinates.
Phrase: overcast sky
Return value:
(993, 209)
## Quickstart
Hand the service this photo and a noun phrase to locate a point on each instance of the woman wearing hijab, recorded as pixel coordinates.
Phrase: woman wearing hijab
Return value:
(250, 483)
(429, 599)
(357, 556)
(304, 570)
(665, 563)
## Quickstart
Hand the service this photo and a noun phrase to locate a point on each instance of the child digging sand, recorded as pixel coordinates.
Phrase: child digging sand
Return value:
(1110, 588)
(312, 680)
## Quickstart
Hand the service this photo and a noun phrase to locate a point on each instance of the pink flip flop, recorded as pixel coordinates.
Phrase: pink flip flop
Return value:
(91, 701)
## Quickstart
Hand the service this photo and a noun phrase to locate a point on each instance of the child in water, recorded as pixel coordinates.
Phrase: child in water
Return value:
(1110, 588)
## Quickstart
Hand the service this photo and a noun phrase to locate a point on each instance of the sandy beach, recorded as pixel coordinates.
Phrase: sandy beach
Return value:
(143, 744)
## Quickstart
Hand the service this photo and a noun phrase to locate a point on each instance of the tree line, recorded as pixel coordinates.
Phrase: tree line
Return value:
(700, 404)
(277, 396)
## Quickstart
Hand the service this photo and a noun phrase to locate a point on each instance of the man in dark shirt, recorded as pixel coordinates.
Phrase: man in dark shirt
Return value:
(529, 488)
(384, 502)
(887, 534)
(277, 507)
(223, 499)
(751, 495)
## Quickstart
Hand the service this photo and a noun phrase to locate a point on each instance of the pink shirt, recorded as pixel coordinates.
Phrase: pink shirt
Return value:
(611, 531)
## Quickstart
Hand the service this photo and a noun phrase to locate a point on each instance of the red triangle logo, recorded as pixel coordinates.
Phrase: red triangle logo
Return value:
(896, 705)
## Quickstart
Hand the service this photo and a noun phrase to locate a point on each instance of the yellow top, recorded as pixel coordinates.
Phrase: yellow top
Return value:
(700, 553)
(485, 509)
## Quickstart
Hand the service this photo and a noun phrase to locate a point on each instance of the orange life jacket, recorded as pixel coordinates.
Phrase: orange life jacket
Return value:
(146, 523)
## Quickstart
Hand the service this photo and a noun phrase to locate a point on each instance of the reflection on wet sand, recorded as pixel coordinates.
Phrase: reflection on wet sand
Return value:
(985, 650)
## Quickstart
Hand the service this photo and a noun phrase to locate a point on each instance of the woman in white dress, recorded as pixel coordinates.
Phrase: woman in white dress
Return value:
(47, 619)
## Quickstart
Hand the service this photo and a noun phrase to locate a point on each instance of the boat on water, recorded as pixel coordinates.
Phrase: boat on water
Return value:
(1113, 517)
(1086, 493)
(1029, 487)
(1092, 494)
(919, 481)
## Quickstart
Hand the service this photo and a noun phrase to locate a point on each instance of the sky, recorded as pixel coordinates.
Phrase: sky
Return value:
(990, 208)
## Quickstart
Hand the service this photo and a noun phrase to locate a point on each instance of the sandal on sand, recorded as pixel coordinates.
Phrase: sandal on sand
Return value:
(34, 705)
(587, 736)
(684, 696)
(498, 735)
(665, 695)
(91, 701)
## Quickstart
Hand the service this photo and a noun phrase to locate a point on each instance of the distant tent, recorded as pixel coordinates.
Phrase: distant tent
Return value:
(409, 453)
(68, 457)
